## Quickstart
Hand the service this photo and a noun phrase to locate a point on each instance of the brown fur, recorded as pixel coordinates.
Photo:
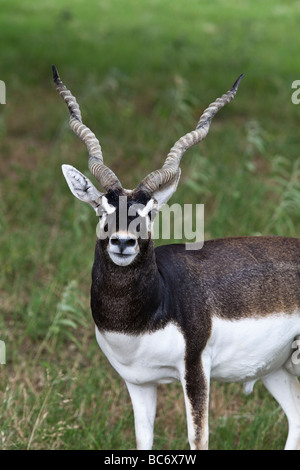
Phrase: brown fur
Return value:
(232, 278)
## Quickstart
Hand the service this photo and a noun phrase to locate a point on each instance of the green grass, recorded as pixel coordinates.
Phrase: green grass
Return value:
(143, 72)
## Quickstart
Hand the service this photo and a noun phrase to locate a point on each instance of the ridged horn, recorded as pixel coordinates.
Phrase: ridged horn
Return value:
(170, 168)
(102, 173)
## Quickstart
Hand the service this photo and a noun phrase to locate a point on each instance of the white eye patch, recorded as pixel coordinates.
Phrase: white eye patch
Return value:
(102, 220)
(103, 210)
(144, 212)
(148, 207)
(106, 207)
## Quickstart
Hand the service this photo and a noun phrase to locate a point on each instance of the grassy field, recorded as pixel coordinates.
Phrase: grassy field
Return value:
(143, 72)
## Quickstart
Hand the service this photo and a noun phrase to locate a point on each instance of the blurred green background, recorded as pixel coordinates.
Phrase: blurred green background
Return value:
(142, 72)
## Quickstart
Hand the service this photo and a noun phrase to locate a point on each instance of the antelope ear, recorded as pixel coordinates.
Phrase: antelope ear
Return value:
(166, 191)
(81, 186)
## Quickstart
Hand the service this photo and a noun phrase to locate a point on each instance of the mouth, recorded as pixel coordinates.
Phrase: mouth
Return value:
(121, 259)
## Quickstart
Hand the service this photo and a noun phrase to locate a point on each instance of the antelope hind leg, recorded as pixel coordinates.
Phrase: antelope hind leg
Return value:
(285, 388)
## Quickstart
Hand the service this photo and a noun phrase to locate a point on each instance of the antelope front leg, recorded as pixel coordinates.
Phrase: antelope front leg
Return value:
(195, 385)
(143, 399)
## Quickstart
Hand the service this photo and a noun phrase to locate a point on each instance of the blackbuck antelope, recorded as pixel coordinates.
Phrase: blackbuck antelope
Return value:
(229, 311)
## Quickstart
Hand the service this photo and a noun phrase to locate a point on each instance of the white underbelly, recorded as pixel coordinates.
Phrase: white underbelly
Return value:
(156, 357)
(250, 348)
(237, 351)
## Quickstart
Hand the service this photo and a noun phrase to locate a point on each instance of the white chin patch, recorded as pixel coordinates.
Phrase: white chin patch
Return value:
(121, 260)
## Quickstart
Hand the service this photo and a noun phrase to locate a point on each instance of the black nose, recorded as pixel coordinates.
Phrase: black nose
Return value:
(123, 242)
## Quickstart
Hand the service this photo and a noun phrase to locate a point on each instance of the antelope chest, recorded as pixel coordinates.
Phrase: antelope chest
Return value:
(156, 357)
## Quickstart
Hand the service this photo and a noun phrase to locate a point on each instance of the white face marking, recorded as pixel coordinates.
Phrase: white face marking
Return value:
(108, 208)
(145, 211)
(122, 248)
(150, 206)
(121, 260)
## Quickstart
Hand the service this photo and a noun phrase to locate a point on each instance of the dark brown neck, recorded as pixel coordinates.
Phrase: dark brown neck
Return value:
(126, 299)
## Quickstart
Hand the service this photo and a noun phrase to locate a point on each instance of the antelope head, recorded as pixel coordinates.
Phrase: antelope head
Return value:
(127, 216)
